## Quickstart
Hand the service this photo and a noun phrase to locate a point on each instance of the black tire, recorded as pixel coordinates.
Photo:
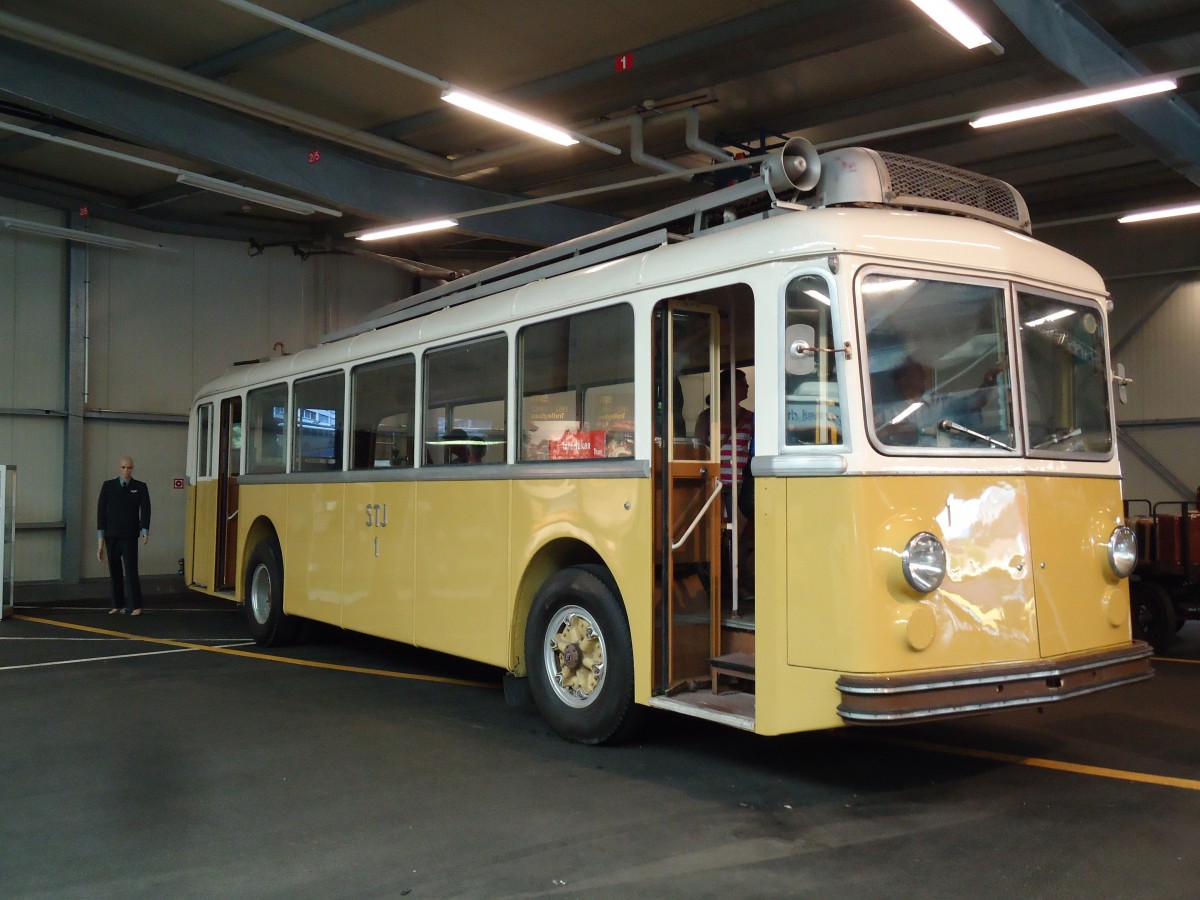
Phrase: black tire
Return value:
(263, 611)
(1152, 614)
(577, 629)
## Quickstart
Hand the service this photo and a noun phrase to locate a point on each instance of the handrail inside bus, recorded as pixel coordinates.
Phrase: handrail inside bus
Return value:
(696, 521)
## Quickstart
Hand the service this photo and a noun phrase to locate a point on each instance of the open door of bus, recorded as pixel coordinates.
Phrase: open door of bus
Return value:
(688, 500)
(228, 466)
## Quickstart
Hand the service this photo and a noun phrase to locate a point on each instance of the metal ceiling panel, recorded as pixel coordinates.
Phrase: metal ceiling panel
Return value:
(261, 97)
(151, 116)
(1073, 41)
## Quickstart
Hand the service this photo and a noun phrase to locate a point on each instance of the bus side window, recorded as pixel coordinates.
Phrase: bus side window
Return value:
(383, 403)
(204, 418)
(812, 414)
(466, 393)
(576, 376)
(266, 429)
(318, 423)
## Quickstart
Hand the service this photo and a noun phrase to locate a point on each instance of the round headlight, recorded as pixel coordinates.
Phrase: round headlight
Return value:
(1122, 551)
(924, 562)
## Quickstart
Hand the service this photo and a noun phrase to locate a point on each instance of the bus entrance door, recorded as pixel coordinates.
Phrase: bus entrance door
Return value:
(228, 466)
(687, 469)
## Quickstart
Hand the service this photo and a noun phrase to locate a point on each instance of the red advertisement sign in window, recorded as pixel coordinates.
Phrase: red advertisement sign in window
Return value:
(579, 445)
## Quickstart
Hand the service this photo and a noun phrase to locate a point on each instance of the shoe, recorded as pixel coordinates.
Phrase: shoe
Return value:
(124, 612)
(136, 612)
(114, 611)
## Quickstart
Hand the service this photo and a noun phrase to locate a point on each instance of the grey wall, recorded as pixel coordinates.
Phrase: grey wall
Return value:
(32, 377)
(1152, 270)
(159, 325)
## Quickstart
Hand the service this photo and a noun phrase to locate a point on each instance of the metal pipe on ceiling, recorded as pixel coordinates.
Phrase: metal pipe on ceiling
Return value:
(638, 154)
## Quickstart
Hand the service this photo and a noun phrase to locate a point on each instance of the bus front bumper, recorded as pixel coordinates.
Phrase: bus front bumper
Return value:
(927, 696)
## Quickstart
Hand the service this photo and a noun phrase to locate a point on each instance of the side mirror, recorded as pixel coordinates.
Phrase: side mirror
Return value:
(801, 358)
(1120, 379)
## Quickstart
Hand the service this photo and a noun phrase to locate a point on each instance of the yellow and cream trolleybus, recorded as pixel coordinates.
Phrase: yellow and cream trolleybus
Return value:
(832, 445)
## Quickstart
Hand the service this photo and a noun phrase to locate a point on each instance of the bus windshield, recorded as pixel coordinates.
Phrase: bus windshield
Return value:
(939, 363)
(941, 373)
(1066, 393)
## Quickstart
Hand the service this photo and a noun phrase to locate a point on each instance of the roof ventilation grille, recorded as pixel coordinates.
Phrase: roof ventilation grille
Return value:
(856, 175)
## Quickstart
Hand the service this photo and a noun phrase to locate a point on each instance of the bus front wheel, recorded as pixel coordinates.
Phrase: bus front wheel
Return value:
(265, 619)
(1153, 614)
(579, 657)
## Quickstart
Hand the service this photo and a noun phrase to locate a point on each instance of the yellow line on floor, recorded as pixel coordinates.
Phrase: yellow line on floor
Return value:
(1187, 784)
(256, 656)
(1190, 662)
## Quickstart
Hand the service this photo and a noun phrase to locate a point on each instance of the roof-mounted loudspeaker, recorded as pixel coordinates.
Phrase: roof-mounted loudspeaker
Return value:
(796, 167)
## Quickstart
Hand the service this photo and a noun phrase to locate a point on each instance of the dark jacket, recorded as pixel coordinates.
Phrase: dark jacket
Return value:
(123, 511)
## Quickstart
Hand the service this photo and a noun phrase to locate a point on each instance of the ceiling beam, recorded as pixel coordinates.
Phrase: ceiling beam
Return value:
(1074, 42)
(152, 116)
(1162, 30)
(337, 19)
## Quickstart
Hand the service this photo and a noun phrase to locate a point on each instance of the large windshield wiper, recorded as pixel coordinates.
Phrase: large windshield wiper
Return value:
(1057, 437)
(952, 427)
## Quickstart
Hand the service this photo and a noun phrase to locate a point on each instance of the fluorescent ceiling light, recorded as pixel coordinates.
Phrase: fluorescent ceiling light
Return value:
(1069, 102)
(887, 285)
(956, 23)
(1053, 317)
(265, 198)
(79, 237)
(411, 228)
(819, 297)
(1164, 212)
(509, 117)
(906, 412)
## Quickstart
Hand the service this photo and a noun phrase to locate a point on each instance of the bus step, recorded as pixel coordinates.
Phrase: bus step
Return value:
(735, 665)
(739, 621)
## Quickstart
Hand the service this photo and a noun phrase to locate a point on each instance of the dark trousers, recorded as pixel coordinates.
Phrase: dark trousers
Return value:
(124, 551)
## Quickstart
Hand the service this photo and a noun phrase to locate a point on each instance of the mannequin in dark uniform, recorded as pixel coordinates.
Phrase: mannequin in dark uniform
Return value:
(122, 516)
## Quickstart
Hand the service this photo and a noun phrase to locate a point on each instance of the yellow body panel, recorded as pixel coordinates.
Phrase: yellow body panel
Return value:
(1020, 586)
(200, 544)
(457, 563)
(611, 516)
(312, 551)
(787, 697)
(262, 504)
(850, 608)
(1070, 523)
(454, 566)
(378, 576)
(189, 534)
(462, 572)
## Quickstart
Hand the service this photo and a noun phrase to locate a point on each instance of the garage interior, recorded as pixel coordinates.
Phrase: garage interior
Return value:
(181, 187)
(115, 115)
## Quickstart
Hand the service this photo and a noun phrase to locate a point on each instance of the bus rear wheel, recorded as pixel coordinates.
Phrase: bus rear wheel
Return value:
(579, 657)
(265, 619)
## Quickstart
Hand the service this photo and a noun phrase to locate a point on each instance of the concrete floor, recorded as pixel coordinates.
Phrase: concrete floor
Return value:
(136, 766)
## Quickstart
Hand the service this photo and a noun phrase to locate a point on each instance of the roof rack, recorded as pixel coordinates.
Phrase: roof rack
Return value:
(794, 167)
(853, 176)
